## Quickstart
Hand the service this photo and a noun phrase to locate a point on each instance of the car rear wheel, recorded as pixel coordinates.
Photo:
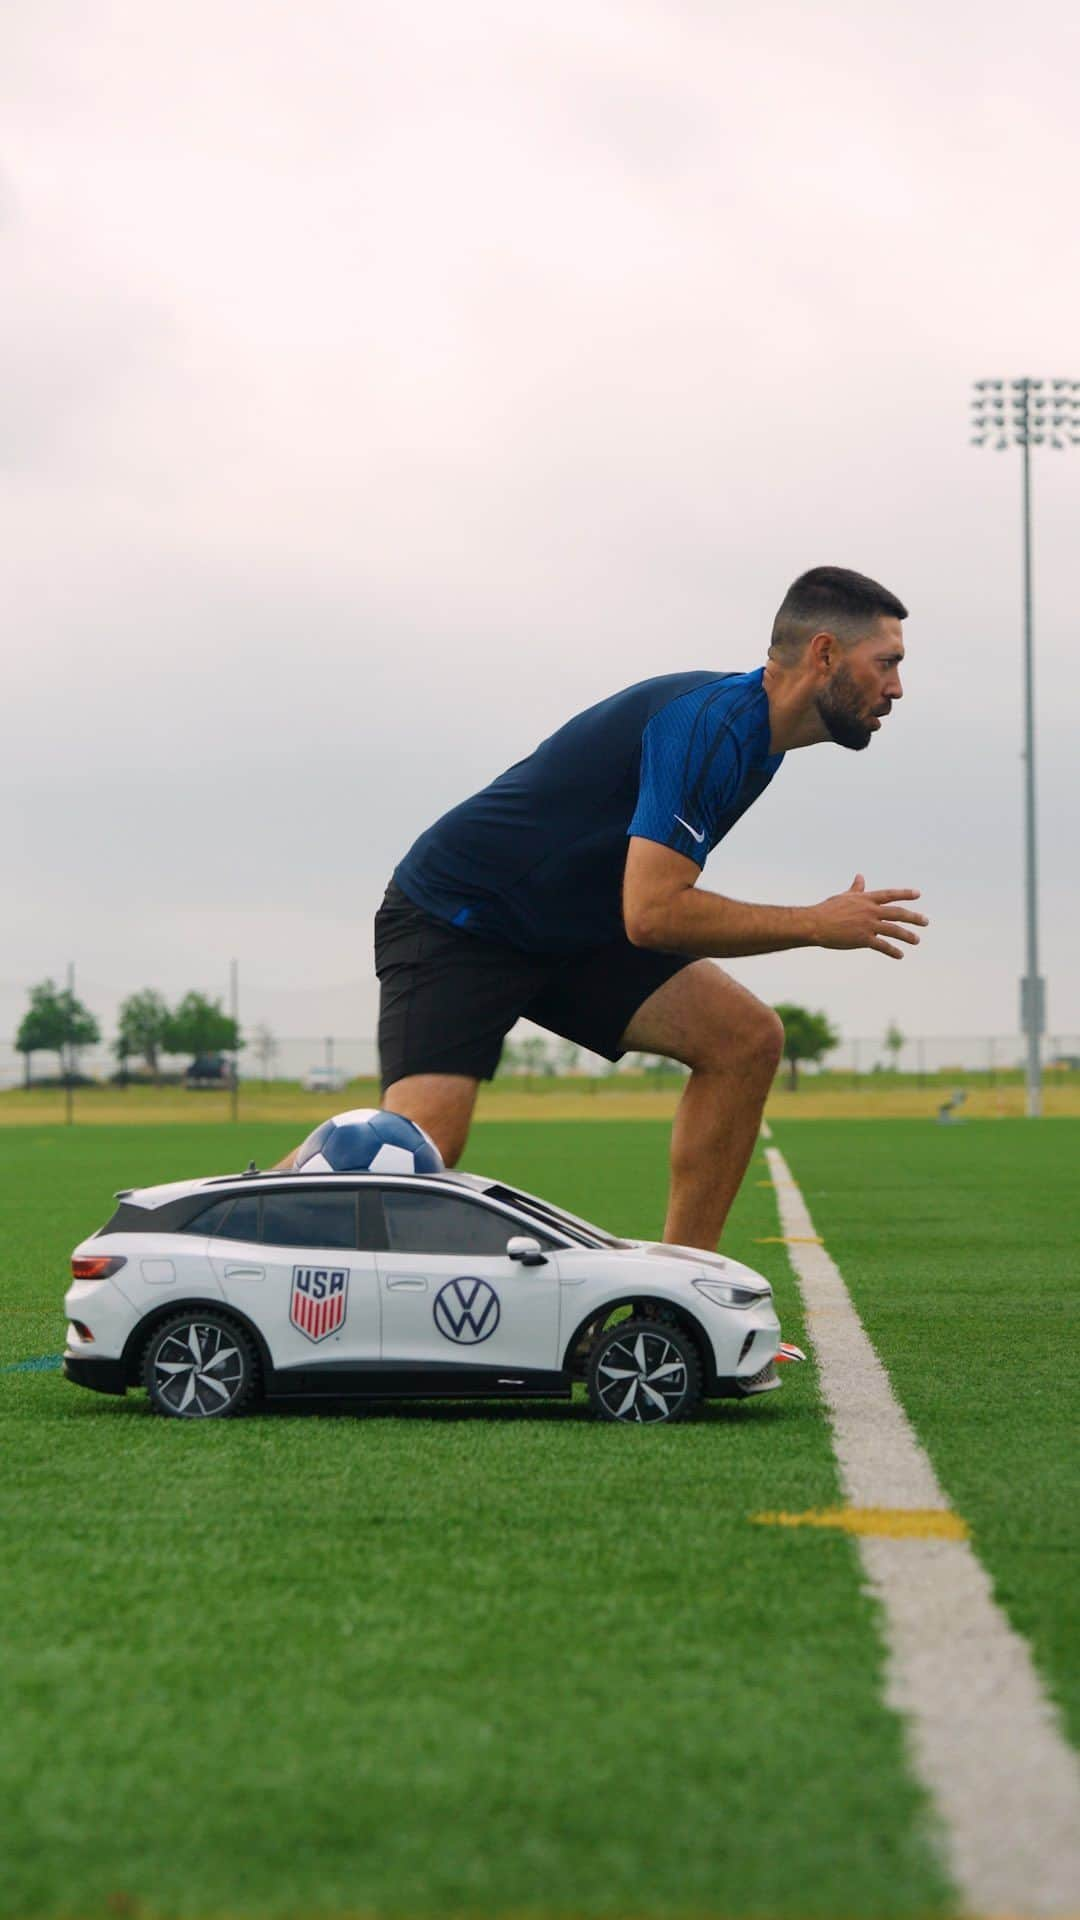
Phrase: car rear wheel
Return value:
(200, 1365)
(644, 1372)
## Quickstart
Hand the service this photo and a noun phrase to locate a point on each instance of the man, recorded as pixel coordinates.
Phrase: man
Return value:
(567, 892)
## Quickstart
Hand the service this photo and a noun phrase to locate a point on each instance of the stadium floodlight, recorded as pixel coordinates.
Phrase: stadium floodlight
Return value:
(1028, 413)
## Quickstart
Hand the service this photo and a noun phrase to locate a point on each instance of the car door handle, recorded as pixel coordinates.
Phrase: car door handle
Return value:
(244, 1273)
(415, 1280)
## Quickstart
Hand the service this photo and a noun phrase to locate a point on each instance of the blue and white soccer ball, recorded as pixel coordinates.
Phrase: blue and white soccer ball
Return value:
(368, 1140)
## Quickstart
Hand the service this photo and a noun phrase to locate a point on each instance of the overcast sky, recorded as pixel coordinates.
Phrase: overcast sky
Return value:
(385, 381)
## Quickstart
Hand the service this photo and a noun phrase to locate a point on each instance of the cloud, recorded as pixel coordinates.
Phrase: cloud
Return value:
(391, 381)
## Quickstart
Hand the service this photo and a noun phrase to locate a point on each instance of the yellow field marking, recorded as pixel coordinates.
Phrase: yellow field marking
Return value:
(122, 1905)
(615, 1098)
(883, 1523)
(791, 1240)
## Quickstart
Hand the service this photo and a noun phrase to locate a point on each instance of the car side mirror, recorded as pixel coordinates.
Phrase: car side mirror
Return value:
(522, 1246)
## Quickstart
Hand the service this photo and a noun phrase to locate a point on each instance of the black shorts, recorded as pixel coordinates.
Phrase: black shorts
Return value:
(448, 999)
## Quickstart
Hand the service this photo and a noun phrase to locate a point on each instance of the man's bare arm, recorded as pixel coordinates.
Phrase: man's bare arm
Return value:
(663, 907)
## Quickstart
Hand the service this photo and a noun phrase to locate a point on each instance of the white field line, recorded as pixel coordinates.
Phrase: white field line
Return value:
(985, 1739)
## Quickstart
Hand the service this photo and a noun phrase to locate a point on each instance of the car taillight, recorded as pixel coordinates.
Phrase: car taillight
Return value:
(96, 1266)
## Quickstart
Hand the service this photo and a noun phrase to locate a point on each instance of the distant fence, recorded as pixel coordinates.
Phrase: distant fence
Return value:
(930, 1056)
(289, 1060)
(856, 1060)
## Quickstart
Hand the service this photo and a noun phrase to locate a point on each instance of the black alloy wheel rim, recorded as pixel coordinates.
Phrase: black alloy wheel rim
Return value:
(198, 1370)
(643, 1379)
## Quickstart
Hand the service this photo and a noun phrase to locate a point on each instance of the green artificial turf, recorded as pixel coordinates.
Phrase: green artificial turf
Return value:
(961, 1248)
(441, 1662)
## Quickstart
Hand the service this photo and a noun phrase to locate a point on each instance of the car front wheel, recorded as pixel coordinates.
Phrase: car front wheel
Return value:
(200, 1365)
(644, 1371)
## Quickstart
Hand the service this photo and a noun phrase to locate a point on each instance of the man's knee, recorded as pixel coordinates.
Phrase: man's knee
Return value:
(771, 1041)
(755, 1045)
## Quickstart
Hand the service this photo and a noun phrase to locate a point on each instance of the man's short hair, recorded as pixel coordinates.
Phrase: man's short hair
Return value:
(830, 600)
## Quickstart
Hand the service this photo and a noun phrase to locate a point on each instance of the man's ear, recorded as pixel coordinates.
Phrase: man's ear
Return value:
(821, 653)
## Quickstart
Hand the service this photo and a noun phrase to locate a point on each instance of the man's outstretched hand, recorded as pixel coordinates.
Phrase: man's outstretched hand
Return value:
(665, 908)
(860, 919)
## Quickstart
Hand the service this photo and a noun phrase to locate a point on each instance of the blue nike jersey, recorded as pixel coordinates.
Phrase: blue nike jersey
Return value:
(536, 859)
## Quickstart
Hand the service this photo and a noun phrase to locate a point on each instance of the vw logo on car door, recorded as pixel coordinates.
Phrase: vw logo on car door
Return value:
(466, 1311)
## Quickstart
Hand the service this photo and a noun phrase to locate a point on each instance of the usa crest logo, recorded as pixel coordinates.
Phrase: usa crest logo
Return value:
(319, 1299)
(467, 1311)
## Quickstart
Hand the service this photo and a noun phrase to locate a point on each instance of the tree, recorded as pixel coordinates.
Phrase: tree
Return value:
(894, 1043)
(567, 1055)
(266, 1049)
(807, 1036)
(658, 1065)
(41, 1028)
(199, 1025)
(508, 1060)
(140, 1028)
(55, 1022)
(532, 1052)
(81, 1028)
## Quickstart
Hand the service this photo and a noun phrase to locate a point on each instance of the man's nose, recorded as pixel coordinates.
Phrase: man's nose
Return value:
(894, 689)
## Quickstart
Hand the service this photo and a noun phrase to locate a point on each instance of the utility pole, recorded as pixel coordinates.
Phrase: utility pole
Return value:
(1028, 413)
(69, 1090)
(234, 1011)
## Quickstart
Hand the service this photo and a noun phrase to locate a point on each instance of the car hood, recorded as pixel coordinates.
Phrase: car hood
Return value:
(682, 1258)
(664, 1250)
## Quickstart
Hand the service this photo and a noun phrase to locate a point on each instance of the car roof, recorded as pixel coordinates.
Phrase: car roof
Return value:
(151, 1198)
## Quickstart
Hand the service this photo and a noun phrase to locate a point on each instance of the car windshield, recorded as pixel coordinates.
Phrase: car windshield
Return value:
(581, 1231)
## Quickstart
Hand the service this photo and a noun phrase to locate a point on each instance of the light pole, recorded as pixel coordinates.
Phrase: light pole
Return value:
(1025, 414)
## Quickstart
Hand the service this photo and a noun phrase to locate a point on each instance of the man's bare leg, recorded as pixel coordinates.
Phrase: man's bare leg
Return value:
(732, 1043)
(441, 1103)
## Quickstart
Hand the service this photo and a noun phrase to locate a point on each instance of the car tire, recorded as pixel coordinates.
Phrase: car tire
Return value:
(644, 1372)
(200, 1365)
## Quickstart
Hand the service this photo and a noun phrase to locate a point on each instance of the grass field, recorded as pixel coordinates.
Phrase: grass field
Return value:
(483, 1661)
(618, 1097)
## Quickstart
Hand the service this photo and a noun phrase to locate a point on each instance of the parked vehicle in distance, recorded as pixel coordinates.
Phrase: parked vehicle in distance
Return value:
(324, 1080)
(209, 1070)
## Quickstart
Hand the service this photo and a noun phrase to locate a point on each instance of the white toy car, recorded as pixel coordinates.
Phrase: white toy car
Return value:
(214, 1293)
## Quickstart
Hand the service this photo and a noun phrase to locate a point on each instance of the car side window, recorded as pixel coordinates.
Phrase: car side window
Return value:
(320, 1218)
(323, 1218)
(210, 1220)
(433, 1222)
(242, 1220)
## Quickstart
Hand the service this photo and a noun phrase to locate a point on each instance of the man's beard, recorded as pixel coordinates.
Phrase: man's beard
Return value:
(841, 707)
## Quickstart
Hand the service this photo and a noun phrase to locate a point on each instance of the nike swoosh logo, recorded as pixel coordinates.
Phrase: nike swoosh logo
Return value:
(692, 831)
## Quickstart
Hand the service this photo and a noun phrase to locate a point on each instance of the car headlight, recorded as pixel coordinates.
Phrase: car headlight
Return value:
(727, 1293)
